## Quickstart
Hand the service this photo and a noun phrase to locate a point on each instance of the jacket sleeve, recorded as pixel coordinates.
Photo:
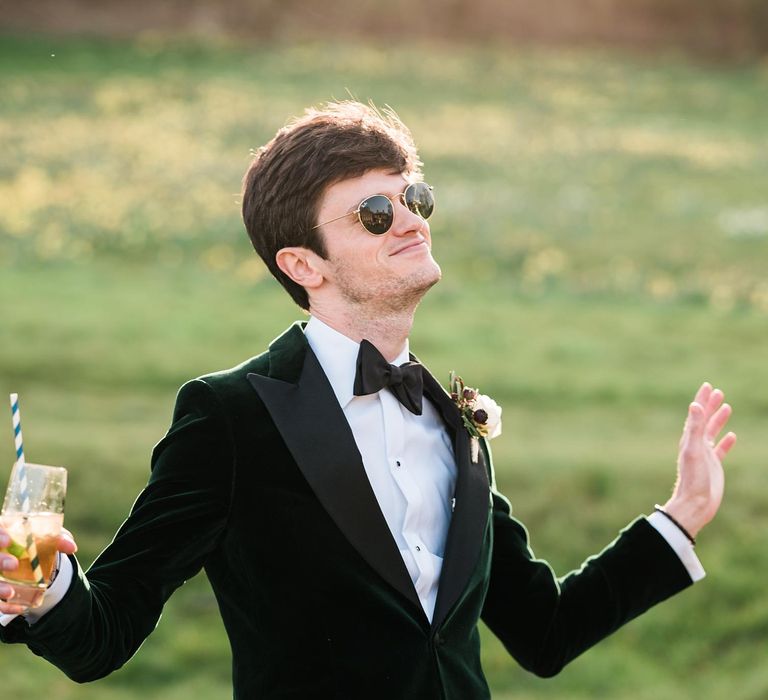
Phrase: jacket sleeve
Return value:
(545, 622)
(176, 522)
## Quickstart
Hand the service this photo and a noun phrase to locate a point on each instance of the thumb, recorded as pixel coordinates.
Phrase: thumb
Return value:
(67, 543)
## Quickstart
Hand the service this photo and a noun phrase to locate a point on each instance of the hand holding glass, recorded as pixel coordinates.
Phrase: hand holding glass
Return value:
(33, 511)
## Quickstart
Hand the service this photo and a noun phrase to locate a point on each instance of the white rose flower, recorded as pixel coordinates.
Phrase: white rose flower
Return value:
(492, 427)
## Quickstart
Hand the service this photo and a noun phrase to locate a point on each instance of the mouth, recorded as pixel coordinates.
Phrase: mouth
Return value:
(412, 245)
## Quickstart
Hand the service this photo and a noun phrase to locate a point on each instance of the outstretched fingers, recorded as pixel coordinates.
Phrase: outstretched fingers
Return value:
(707, 417)
(724, 446)
(717, 422)
(694, 424)
(703, 394)
(713, 402)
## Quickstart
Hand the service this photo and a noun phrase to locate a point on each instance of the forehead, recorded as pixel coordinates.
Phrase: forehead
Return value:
(348, 193)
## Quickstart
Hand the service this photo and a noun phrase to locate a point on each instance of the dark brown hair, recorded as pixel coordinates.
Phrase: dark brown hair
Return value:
(288, 176)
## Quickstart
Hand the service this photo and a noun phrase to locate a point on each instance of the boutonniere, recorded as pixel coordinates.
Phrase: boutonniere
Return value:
(480, 414)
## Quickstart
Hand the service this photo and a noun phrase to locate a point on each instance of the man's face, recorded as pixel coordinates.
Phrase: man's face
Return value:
(393, 269)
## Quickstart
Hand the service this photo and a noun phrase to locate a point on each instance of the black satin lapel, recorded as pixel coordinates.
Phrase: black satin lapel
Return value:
(442, 401)
(470, 515)
(318, 436)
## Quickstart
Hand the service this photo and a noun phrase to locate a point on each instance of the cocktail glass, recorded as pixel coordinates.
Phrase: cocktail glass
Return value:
(33, 515)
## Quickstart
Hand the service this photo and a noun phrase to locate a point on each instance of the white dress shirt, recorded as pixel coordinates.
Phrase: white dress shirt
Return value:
(408, 459)
(410, 464)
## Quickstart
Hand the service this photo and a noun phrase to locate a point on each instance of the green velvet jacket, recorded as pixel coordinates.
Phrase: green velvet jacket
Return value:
(259, 482)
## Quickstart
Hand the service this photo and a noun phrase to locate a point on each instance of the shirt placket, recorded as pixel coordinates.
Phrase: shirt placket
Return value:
(403, 475)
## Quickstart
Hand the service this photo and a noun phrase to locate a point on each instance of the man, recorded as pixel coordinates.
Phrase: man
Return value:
(347, 519)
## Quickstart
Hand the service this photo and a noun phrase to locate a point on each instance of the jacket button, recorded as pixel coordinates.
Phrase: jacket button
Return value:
(439, 641)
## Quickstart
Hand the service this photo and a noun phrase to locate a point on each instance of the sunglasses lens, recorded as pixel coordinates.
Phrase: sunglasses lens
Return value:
(419, 199)
(376, 214)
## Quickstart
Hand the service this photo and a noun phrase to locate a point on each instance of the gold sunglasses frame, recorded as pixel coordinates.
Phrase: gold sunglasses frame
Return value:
(400, 196)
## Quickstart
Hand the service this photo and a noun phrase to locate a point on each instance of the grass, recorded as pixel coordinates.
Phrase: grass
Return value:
(602, 226)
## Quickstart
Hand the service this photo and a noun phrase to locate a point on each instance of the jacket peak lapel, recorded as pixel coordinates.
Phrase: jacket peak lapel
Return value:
(305, 411)
(470, 516)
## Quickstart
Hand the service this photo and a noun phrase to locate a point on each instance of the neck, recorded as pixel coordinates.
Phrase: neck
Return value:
(386, 331)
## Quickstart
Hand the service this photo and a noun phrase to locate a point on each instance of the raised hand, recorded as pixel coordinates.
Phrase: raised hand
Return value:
(700, 481)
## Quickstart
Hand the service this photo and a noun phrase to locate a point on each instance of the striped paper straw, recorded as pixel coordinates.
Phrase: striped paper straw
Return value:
(21, 473)
(17, 437)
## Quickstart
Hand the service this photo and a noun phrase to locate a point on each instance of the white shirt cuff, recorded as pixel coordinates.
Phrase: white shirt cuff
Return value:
(52, 596)
(679, 542)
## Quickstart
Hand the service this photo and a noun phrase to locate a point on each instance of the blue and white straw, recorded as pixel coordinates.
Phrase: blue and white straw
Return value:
(17, 437)
(21, 473)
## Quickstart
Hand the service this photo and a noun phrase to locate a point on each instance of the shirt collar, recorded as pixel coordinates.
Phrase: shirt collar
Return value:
(337, 355)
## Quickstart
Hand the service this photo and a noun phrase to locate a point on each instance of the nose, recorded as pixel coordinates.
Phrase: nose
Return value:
(405, 221)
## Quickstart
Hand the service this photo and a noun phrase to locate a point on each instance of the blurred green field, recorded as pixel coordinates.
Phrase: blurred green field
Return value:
(602, 223)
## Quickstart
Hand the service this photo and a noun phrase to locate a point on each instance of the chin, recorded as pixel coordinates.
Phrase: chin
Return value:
(422, 283)
(435, 273)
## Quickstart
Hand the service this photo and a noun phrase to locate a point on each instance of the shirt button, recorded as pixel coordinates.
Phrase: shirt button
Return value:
(397, 463)
(418, 549)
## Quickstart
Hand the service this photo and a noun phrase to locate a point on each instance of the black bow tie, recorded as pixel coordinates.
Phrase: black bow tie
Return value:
(375, 373)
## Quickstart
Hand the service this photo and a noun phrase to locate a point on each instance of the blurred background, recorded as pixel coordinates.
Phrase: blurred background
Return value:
(600, 168)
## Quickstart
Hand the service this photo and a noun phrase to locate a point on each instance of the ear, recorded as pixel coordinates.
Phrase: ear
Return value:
(301, 265)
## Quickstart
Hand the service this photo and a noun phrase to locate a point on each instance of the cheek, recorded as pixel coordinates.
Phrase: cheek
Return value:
(370, 251)
(360, 256)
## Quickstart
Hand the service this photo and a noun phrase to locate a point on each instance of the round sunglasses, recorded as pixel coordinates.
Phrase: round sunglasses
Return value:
(377, 212)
